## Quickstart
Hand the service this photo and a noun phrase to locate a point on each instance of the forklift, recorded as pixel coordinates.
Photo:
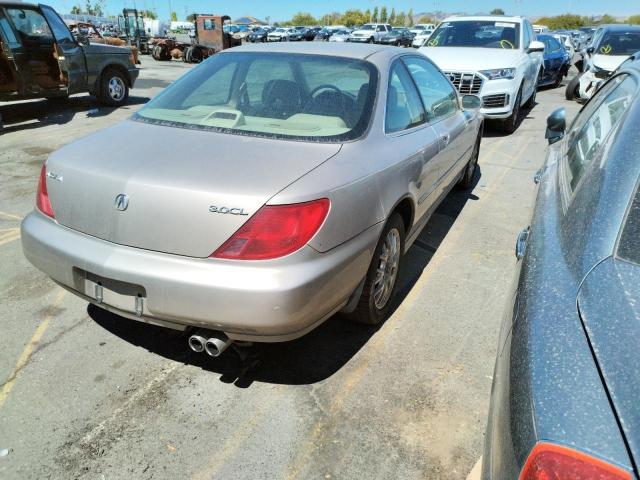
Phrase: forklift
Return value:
(132, 30)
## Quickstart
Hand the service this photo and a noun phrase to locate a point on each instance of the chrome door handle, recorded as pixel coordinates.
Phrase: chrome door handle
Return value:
(445, 139)
(521, 243)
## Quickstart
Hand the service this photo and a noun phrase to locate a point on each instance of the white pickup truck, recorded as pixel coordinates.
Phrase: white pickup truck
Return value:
(494, 57)
(370, 33)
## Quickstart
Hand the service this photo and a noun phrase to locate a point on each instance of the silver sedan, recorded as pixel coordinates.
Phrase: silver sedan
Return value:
(269, 188)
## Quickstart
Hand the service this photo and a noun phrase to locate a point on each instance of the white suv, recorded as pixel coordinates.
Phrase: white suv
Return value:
(422, 32)
(494, 57)
(370, 33)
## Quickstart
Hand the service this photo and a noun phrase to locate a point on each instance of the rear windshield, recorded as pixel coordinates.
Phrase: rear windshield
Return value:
(276, 95)
(477, 33)
(629, 246)
(626, 43)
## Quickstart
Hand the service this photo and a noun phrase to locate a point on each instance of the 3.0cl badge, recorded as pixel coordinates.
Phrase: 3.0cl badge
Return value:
(122, 202)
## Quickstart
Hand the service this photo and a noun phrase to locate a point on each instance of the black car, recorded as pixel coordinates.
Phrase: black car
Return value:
(398, 37)
(565, 401)
(259, 35)
(310, 33)
(297, 34)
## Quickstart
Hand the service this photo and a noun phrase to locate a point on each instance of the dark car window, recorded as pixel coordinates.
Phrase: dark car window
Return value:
(30, 24)
(600, 122)
(551, 45)
(60, 30)
(619, 43)
(439, 97)
(6, 32)
(477, 33)
(629, 246)
(404, 108)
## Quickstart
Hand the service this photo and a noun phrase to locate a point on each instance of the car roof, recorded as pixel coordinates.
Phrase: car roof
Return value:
(347, 50)
(621, 28)
(18, 4)
(490, 18)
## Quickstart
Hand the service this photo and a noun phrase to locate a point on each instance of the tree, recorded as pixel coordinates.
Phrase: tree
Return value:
(367, 13)
(76, 10)
(564, 22)
(634, 20)
(425, 19)
(149, 14)
(383, 15)
(374, 18)
(497, 11)
(192, 17)
(97, 8)
(606, 19)
(401, 19)
(303, 18)
(174, 17)
(410, 18)
(353, 17)
(392, 16)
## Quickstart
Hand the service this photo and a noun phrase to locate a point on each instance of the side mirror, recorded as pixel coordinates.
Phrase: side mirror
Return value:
(556, 126)
(590, 50)
(535, 46)
(471, 102)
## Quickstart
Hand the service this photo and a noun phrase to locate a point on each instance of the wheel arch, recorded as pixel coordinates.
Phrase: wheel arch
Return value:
(405, 207)
(114, 66)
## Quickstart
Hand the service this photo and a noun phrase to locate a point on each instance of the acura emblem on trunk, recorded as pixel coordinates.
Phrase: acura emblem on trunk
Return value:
(122, 202)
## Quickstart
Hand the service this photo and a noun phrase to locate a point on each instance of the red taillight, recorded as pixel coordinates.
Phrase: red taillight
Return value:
(275, 231)
(42, 197)
(554, 462)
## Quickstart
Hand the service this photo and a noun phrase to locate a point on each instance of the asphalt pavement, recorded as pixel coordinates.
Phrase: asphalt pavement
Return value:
(86, 394)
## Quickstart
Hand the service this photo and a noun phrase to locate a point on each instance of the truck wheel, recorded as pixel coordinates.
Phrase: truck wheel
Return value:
(114, 88)
(381, 280)
(370, 40)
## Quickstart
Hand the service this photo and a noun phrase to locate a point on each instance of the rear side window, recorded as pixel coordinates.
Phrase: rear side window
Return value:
(404, 108)
(31, 26)
(596, 122)
(629, 246)
(6, 31)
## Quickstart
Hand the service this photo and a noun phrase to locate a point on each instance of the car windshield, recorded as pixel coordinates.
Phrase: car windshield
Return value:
(280, 30)
(276, 95)
(397, 31)
(477, 33)
(367, 27)
(622, 43)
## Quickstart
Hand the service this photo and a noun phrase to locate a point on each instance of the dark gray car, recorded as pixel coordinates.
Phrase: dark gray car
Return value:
(567, 379)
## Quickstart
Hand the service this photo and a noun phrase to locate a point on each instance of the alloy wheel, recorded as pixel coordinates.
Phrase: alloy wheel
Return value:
(387, 271)
(116, 88)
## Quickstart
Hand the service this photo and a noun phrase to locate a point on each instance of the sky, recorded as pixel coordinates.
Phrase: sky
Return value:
(285, 9)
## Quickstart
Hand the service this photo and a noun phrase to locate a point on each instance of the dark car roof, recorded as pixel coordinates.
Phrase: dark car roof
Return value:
(621, 28)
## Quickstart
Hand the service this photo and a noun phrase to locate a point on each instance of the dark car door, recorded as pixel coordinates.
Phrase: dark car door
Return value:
(70, 54)
(554, 55)
(440, 100)
(10, 80)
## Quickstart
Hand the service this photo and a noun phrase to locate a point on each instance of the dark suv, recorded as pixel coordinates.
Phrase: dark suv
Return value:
(40, 58)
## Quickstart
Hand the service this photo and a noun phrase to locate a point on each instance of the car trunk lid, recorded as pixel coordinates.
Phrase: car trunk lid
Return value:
(172, 178)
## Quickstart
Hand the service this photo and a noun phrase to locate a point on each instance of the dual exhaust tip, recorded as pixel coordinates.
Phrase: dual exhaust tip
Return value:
(214, 345)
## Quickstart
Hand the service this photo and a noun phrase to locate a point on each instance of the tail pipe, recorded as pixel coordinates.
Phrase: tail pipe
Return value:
(217, 344)
(213, 343)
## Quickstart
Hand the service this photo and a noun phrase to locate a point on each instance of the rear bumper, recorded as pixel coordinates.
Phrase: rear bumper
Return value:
(266, 301)
(133, 75)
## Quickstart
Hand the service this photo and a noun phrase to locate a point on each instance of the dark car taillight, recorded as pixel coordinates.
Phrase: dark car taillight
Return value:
(548, 461)
(275, 231)
(42, 196)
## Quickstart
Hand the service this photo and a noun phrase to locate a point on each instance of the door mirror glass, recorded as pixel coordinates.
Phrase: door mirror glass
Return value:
(556, 126)
(471, 102)
(536, 47)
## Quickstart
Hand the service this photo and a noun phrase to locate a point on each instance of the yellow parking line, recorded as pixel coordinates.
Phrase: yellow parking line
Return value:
(28, 350)
(11, 235)
(10, 216)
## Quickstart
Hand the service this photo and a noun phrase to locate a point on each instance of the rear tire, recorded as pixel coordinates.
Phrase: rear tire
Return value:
(370, 40)
(572, 91)
(114, 88)
(381, 282)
